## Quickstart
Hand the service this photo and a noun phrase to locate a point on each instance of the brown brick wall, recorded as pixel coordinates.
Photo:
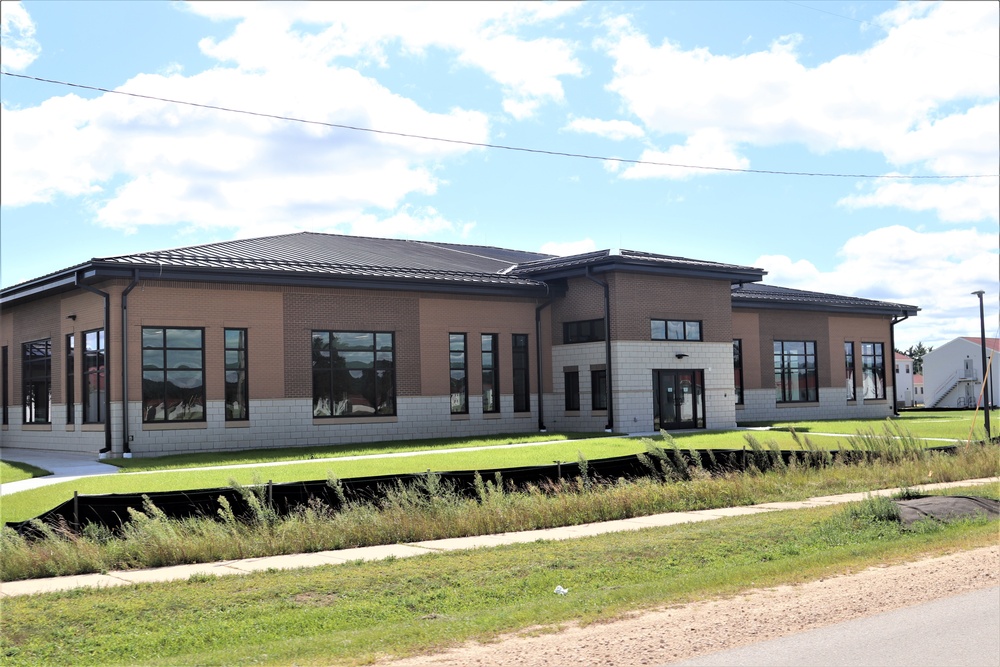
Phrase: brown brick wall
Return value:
(213, 308)
(307, 310)
(760, 328)
(637, 298)
(440, 316)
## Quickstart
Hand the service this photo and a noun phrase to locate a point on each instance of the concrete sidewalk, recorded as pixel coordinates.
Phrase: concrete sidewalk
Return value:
(294, 561)
(65, 467)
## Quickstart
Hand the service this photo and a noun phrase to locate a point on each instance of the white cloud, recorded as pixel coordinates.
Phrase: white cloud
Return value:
(18, 47)
(924, 96)
(704, 147)
(935, 271)
(564, 249)
(483, 35)
(616, 130)
(962, 201)
(150, 163)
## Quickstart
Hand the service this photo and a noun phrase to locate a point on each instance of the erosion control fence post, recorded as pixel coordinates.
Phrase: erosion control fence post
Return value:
(76, 511)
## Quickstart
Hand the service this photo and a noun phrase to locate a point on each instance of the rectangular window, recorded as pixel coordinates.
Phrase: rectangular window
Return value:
(5, 388)
(237, 391)
(458, 366)
(675, 330)
(94, 377)
(795, 376)
(70, 378)
(572, 382)
(173, 374)
(519, 354)
(738, 370)
(36, 371)
(849, 365)
(583, 331)
(872, 370)
(491, 372)
(599, 390)
(354, 374)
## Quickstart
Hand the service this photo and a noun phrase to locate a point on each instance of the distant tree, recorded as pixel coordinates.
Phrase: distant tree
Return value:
(917, 352)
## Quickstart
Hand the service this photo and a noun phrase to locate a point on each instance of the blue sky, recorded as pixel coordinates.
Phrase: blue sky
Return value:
(877, 89)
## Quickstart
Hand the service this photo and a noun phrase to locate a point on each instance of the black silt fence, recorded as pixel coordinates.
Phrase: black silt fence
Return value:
(112, 510)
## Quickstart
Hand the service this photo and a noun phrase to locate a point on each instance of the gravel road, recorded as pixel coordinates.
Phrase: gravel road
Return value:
(684, 631)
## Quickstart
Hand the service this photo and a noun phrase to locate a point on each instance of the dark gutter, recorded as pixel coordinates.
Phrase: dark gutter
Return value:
(609, 426)
(734, 276)
(538, 364)
(126, 450)
(892, 345)
(871, 309)
(107, 362)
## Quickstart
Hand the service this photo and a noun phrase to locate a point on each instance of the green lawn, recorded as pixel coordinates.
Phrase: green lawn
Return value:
(943, 424)
(27, 504)
(12, 471)
(356, 613)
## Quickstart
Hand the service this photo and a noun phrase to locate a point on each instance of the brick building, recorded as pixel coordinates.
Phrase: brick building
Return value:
(308, 339)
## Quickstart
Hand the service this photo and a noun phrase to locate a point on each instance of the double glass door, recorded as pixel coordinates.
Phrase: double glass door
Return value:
(678, 399)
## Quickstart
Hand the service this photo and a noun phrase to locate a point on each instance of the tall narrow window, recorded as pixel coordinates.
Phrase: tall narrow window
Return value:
(173, 374)
(519, 359)
(94, 377)
(795, 377)
(491, 373)
(458, 367)
(738, 370)
(599, 389)
(873, 370)
(36, 371)
(353, 374)
(237, 393)
(849, 369)
(572, 382)
(70, 378)
(5, 388)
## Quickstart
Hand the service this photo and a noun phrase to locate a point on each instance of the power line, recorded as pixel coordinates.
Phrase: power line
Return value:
(477, 144)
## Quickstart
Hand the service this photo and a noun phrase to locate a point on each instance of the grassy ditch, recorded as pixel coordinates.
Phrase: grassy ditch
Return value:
(435, 510)
(358, 612)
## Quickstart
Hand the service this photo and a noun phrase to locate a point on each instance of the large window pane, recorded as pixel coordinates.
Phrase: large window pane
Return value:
(519, 362)
(873, 370)
(173, 378)
(491, 373)
(458, 376)
(36, 371)
(237, 396)
(795, 374)
(353, 374)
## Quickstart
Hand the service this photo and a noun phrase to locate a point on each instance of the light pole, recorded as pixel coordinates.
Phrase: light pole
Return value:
(982, 347)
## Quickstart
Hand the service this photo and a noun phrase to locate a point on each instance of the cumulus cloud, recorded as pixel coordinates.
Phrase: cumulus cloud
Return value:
(935, 271)
(704, 147)
(616, 130)
(924, 96)
(482, 35)
(142, 162)
(18, 47)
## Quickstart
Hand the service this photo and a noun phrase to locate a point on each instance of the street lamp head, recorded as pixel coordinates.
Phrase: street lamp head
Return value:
(979, 293)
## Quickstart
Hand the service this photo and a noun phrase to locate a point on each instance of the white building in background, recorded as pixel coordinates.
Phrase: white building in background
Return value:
(905, 397)
(918, 389)
(953, 373)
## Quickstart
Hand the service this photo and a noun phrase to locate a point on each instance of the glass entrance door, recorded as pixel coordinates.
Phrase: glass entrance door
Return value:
(678, 399)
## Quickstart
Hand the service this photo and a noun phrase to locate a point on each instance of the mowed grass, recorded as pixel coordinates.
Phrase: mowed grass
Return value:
(356, 613)
(13, 471)
(284, 454)
(27, 504)
(951, 425)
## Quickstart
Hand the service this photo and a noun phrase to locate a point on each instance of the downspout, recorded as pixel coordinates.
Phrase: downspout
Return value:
(892, 345)
(126, 450)
(609, 426)
(107, 359)
(538, 362)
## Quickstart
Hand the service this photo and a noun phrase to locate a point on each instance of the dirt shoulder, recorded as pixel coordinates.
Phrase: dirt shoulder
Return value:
(684, 631)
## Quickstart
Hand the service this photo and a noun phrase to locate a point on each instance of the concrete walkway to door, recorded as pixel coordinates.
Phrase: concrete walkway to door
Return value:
(65, 467)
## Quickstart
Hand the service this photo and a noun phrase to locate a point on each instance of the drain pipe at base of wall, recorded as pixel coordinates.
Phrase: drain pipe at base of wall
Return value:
(892, 365)
(126, 450)
(609, 426)
(106, 451)
(538, 363)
